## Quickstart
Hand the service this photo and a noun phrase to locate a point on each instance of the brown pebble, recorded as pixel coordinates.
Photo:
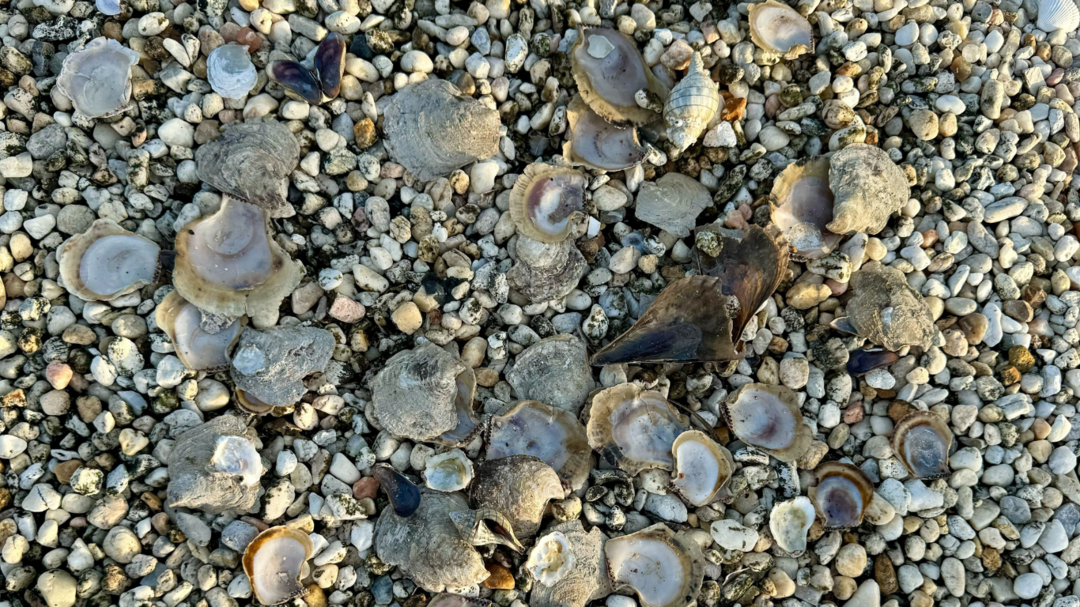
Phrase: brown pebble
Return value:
(58, 374)
(64, 470)
(364, 133)
(314, 596)
(1020, 358)
(885, 574)
(1009, 375)
(899, 409)
(500, 578)
(365, 487)
(1018, 309)
(974, 327)
(1040, 429)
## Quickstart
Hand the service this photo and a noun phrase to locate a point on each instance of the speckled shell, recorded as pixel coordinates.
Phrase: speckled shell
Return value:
(692, 104)
(130, 262)
(778, 28)
(545, 200)
(519, 486)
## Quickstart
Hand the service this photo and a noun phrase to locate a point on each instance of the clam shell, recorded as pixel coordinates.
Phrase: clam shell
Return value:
(801, 204)
(196, 348)
(230, 71)
(921, 441)
(415, 394)
(549, 433)
(587, 580)
(97, 78)
(778, 28)
(196, 482)
(544, 201)
(106, 262)
(225, 163)
(485, 527)
(609, 83)
(273, 562)
(790, 521)
(519, 486)
(887, 311)
(769, 418)
(702, 468)
(842, 495)
(868, 188)
(634, 429)
(692, 105)
(1058, 16)
(664, 568)
(598, 144)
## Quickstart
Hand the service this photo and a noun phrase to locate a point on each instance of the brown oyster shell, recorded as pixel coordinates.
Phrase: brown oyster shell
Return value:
(634, 428)
(596, 143)
(609, 84)
(106, 257)
(769, 418)
(551, 434)
(519, 486)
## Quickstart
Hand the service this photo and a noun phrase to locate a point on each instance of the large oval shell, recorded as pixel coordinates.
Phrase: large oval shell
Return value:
(802, 206)
(633, 428)
(274, 562)
(598, 144)
(549, 433)
(664, 568)
(842, 494)
(230, 71)
(702, 468)
(692, 104)
(196, 348)
(868, 188)
(519, 486)
(225, 163)
(922, 441)
(554, 371)
(1058, 16)
(609, 71)
(780, 29)
(97, 78)
(106, 262)
(587, 580)
(769, 418)
(210, 477)
(545, 200)
(414, 395)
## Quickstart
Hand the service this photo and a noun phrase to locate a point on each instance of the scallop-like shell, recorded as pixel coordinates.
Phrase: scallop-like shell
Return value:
(230, 71)
(545, 200)
(196, 348)
(842, 495)
(886, 310)
(790, 521)
(633, 428)
(587, 580)
(922, 441)
(225, 163)
(432, 129)
(1058, 16)
(609, 71)
(802, 206)
(275, 562)
(868, 188)
(414, 395)
(664, 568)
(546, 271)
(549, 433)
(769, 418)
(551, 559)
(97, 78)
(778, 28)
(702, 468)
(692, 104)
(467, 424)
(449, 471)
(519, 486)
(213, 476)
(106, 262)
(486, 527)
(597, 143)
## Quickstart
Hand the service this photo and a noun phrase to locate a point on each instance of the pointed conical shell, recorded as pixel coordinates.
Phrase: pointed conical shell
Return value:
(485, 527)
(545, 200)
(609, 71)
(107, 261)
(549, 433)
(922, 441)
(692, 104)
(769, 418)
(702, 467)
(778, 28)
(790, 521)
(842, 494)
(197, 349)
(664, 568)
(1058, 15)
(802, 205)
(633, 428)
(598, 144)
(273, 562)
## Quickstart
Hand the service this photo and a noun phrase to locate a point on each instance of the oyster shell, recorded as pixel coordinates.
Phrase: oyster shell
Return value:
(519, 486)
(275, 562)
(598, 144)
(449, 471)
(546, 271)
(549, 433)
(769, 418)
(97, 78)
(664, 568)
(414, 394)
(700, 318)
(467, 424)
(214, 467)
(106, 262)
(271, 365)
(634, 429)
(922, 441)
(790, 521)
(555, 371)
(319, 85)
(702, 468)
(886, 310)
(867, 186)
(456, 600)
(550, 559)
(609, 72)
(778, 28)
(485, 527)
(227, 264)
(225, 163)
(230, 71)
(404, 496)
(196, 348)
(692, 105)
(802, 206)
(587, 580)
(432, 129)
(672, 203)
(545, 200)
(1058, 16)
(842, 494)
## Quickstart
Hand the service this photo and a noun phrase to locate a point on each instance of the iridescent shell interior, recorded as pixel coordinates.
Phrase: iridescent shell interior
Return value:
(633, 428)
(609, 72)
(275, 562)
(663, 568)
(196, 348)
(544, 201)
(802, 205)
(107, 261)
(842, 494)
(922, 441)
(768, 417)
(598, 144)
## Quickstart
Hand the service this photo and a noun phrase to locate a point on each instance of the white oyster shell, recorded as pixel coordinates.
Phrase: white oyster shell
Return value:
(633, 428)
(107, 261)
(450, 471)
(664, 568)
(550, 559)
(275, 561)
(97, 78)
(230, 71)
(790, 521)
(702, 467)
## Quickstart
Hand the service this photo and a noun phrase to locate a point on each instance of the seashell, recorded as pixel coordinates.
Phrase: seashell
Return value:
(865, 360)
(609, 71)
(250, 404)
(842, 495)
(467, 424)
(700, 318)
(404, 496)
(106, 262)
(230, 71)
(318, 85)
(427, 546)
(196, 348)
(672, 203)
(227, 264)
(790, 521)
(634, 429)
(922, 441)
(432, 129)
(546, 271)
(551, 434)
(97, 78)
(271, 365)
(886, 310)
(801, 205)
(1058, 16)
(330, 64)
(692, 105)
(520, 487)
(778, 28)
(769, 418)
(214, 467)
(456, 600)
(545, 201)
(702, 468)
(555, 371)
(275, 562)
(415, 394)
(550, 559)
(485, 527)
(598, 144)
(108, 7)
(867, 186)
(225, 163)
(449, 471)
(587, 580)
(664, 568)
(298, 81)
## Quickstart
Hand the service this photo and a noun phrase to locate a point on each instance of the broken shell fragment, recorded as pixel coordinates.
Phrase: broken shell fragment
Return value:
(275, 561)
(549, 433)
(587, 580)
(702, 467)
(519, 486)
(545, 200)
(97, 78)
(609, 71)
(769, 418)
(450, 471)
(922, 441)
(886, 310)
(467, 425)
(802, 206)
(230, 71)
(486, 527)
(196, 348)
(270, 365)
(842, 494)
(404, 496)
(634, 429)
(672, 203)
(225, 163)
(214, 467)
(550, 559)
(778, 28)
(106, 262)
(790, 521)
(868, 188)
(250, 404)
(415, 394)
(692, 105)
(664, 568)
(546, 271)
(597, 143)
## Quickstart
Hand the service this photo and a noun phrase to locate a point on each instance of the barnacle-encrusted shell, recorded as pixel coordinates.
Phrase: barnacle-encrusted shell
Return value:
(802, 205)
(597, 143)
(485, 527)
(545, 200)
(271, 365)
(922, 441)
(520, 487)
(449, 471)
(467, 424)
(546, 271)
(609, 71)
(790, 521)
(203, 478)
(275, 561)
(549, 433)
(886, 310)
(867, 186)
(414, 395)
(550, 559)
(555, 371)
(769, 418)
(227, 264)
(780, 29)
(842, 494)
(226, 164)
(432, 129)
(702, 467)
(691, 105)
(633, 428)
(664, 568)
(196, 348)
(587, 580)
(106, 262)
(230, 71)
(97, 78)
(1058, 16)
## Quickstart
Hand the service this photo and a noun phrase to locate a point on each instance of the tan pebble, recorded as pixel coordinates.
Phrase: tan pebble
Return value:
(64, 470)
(500, 578)
(408, 318)
(58, 374)
(804, 296)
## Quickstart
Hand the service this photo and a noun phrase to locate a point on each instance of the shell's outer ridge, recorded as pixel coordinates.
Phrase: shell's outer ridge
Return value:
(1058, 16)
(692, 104)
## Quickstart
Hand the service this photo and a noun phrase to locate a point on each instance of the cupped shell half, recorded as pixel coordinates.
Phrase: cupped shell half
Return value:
(449, 471)
(609, 71)
(214, 475)
(520, 487)
(597, 143)
(633, 428)
(780, 29)
(197, 349)
(922, 441)
(545, 200)
(551, 559)
(868, 188)
(226, 163)
(702, 468)
(1058, 15)
(886, 310)
(415, 394)
(275, 562)
(664, 568)
(551, 434)
(842, 494)
(790, 521)
(97, 78)
(802, 206)
(230, 71)
(769, 418)
(587, 580)
(106, 262)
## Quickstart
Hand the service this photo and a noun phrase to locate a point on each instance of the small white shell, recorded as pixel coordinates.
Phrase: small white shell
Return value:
(702, 467)
(450, 471)
(550, 559)
(692, 104)
(780, 29)
(230, 71)
(97, 78)
(236, 455)
(790, 521)
(274, 562)
(108, 7)
(1058, 16)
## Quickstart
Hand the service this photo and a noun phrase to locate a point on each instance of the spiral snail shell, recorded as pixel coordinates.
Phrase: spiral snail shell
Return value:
(692, 104)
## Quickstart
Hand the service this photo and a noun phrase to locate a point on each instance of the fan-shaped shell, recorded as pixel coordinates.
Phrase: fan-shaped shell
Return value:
(230, 71)
(213, 477)
(802, 206)
(587, 580)
(769, 418)
(790, 521)
(692, 104)
(702, 467)
(598, 144)
(415, 394)
(633, 428)
(196, 348)
(551, 434)
(1058, 16)
(842, 495)
(226, 163)
(275, 561)
(519, 486)
(886, 310)
(97, 78)
(545, 200)
(922, 441)
(106, 262)
(868, 188)
(778, 28)
(609, 71)
(664, 568)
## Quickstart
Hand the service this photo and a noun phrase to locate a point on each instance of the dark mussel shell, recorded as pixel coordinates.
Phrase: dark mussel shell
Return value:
(403, 494)
(330, 64)
(865, 360)
(297, 79)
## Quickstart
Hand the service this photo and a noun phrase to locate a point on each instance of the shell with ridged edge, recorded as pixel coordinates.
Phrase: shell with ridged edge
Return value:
(545, 201)
(664, 568)
(692, 105)
(275, 562)
(778, 28)
(609, 71)
(1058, 16)
(106, 262)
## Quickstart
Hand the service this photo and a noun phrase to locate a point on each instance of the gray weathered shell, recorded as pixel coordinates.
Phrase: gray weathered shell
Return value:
(867, 186)
(552, 434)
(194, 483)
(97, 78)
(887, 311)
(519, 486)
(587, 581)
(672, 203)
(546, 271)
(414, 395)
(691, 105)
(554, 371)
(227, 162)
(432, 129)
(230, 71)
(485, 527)
(271, 365)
